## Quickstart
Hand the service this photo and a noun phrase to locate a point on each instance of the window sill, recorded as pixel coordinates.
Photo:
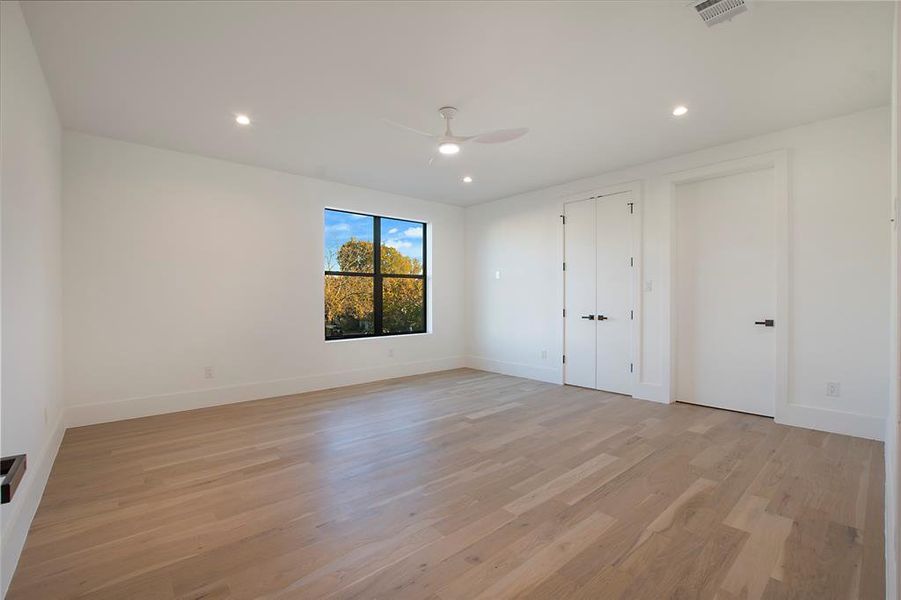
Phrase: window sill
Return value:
(378, 337)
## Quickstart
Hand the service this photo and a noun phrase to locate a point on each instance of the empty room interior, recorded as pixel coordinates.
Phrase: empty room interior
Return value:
(437, 300)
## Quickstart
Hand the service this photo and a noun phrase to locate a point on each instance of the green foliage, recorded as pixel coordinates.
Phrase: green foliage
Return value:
(349, 300)
(402, 305)
(355, 256)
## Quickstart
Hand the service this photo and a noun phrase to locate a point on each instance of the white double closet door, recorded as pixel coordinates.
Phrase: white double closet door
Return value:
(598, 304)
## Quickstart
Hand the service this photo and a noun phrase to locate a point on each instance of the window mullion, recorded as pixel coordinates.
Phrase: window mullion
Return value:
(377, 280)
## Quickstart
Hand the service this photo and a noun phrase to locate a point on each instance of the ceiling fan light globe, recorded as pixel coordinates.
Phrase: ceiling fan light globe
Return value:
(448, 148)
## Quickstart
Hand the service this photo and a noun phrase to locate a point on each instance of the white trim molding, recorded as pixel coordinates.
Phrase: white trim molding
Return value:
(132, 408)
(24, 505)
(893, 421)
(833, 421)
(547, 374)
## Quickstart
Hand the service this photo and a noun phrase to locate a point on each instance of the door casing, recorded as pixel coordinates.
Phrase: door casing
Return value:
(778, 162)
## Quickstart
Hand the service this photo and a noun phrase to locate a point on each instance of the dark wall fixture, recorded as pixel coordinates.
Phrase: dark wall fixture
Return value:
(12, 468)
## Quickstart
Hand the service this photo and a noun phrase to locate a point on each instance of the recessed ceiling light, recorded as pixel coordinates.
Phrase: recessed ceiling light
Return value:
(680, 110)
(467, 179)
(448, 148)
(242, 119)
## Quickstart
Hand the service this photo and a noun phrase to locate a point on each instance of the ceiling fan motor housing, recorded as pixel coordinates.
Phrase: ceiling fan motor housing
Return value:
(448, 112)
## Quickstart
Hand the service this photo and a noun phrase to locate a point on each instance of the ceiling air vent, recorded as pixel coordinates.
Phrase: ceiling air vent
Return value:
(717, 11)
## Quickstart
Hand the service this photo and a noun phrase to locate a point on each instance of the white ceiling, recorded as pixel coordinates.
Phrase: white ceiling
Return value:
(595, 82)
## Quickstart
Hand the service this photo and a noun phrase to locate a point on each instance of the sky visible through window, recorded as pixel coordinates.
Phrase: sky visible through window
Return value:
(403, 236)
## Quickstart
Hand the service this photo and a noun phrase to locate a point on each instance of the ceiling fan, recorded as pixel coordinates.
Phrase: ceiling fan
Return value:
(448, 143)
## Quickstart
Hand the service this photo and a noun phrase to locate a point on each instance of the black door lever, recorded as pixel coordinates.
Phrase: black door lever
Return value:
(765, 323)
(589, 317)
(602, 318)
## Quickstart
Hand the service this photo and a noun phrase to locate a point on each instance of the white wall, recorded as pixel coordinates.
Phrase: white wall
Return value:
(839, 265)
(30, 277)
(174, 262)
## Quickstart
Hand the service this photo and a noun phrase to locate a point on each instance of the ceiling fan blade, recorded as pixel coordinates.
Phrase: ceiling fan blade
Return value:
(410, 129)
(501, 135)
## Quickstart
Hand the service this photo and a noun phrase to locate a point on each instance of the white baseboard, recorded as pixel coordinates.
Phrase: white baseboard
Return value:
(809, 417)
(25, 503)
(833, 421)
(548, 374)
(891, 510)
(643, 391)
(651, 391)
(131, 408)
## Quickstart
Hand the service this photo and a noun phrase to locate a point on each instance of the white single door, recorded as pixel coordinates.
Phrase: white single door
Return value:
(614, 293)
(579, 292)
(726, 292)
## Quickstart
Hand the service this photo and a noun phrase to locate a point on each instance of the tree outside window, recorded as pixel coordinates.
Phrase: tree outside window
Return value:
(375, 276)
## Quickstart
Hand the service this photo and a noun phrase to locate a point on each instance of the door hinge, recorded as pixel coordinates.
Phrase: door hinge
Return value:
(631, 368)
(564, 219)
(631, 315)
(631, 207)
(564, 265)
(564, 359)
(631, 261)
(564, 313)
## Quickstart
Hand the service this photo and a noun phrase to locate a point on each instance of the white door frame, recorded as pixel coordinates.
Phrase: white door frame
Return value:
(636, 248)
(778, 162)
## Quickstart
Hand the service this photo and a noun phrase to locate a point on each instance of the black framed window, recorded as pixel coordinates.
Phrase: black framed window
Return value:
(375, 275)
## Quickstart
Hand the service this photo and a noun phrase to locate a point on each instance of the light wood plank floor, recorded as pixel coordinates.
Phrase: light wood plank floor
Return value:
(463, 485)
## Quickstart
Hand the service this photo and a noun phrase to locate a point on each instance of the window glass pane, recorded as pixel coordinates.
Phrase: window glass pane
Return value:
(348, 242)
(402, 305)
(401, 247)
(348, 306)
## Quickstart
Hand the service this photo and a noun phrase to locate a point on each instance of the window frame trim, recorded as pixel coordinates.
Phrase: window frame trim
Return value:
(378, 277)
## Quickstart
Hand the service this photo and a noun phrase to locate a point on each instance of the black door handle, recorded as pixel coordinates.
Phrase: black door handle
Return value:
(765, 323)
(602, 318)
(589, 317)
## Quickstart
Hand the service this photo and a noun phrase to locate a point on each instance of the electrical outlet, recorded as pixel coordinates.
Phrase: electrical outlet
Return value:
(497, 274)
(833, 389)
(208, 372)
(544, 354)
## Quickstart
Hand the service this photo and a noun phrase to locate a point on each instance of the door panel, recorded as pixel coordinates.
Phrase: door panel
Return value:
(725, 281)
(579, 293)
(614, 295)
